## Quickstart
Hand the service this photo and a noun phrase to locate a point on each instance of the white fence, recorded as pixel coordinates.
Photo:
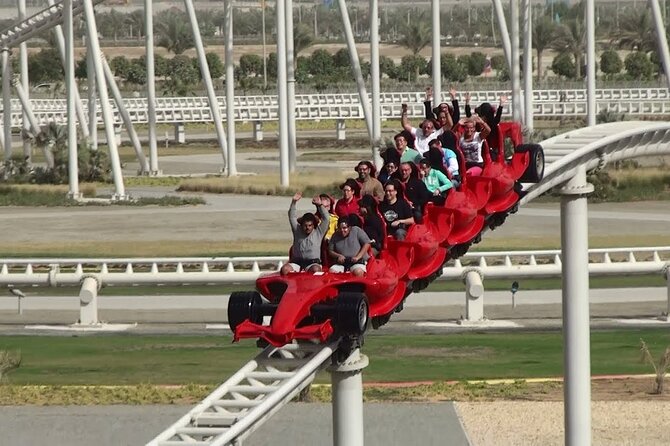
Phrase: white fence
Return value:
(547, 103)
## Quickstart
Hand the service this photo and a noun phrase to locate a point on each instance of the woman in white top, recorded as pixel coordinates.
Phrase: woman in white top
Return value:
(471, 142)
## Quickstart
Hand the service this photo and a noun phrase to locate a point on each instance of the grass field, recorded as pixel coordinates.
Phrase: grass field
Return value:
(174, 360)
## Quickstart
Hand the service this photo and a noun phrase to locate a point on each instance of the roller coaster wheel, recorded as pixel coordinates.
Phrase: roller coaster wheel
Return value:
(379, 321)
(497, 219)
(535, 170)
(244, 305)
(352, 313)
(459, 250)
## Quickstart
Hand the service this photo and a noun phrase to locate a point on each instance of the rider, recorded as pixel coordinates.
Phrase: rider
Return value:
(308, 233)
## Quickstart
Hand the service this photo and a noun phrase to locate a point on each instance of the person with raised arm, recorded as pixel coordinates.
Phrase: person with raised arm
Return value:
(308, 233)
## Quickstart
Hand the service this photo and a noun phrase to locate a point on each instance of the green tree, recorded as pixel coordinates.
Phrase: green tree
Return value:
(251, 65)
(341, 58)
(411, 66)
(452, 70)
(45, 66)
(610, 63)
(543, 37)
(321, 63)
(119, 65)
(417, 35)
(303, 38)
(136, 72)
(183, 77)
(570, 39)
(637, 32)
(563, 66)
(174, 32)
(638, 66)
(475, 63)
(216, 68)
(387, 67)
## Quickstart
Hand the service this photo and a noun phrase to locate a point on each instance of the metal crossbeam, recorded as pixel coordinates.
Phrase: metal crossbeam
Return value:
(38, 23)
(249, 397)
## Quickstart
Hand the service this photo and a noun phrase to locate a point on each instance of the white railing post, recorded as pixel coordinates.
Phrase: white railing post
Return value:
(179, 133)
(347, 383)
(474, 295)
(88, 299)
(258, 131)
(341, 130)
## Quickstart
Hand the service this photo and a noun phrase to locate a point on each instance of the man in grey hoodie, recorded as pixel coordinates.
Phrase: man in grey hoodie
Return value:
(308, 233)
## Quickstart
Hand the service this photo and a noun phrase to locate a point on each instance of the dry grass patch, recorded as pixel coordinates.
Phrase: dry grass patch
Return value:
(264, 184)
(138, 248)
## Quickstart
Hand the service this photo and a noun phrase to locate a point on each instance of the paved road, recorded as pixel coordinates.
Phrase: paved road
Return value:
(296, 424)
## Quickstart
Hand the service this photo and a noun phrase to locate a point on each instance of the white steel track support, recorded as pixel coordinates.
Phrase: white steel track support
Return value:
(504, 34)
(92, 94)
(590, 18)
(249, 397)
(151, 86)
(528, 65)
(356, 66)
(375, 80)
(25, 81)
(81, 117)
(230, 89)
(662, 38)
(92, 34)
(290, 87)
(282, 94)
(347, 381)
(576, 328)
(435, 51)
(70, 90)
(6, 103)
(207, 78)
(515, 74)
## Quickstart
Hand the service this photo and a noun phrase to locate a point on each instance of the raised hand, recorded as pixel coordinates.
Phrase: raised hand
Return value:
(467, 98)
(297, 196)
(452, 93)
(316, 200)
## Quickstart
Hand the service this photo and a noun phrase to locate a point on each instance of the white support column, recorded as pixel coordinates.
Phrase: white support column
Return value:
(70, 89)
(514, 73)
(528, 65)
(258, 130)
(504, 34)
(662, 38)
(356, 66)
(88, 301)
(96, 55)
(576, 329)
(179, 133)
(340, 130)
(7, 103)
(437, 68)
(151, 87)
(230, 89)
(290, 85)
(347, 384)
(282, 94)
(92, 95)
(474, 296)
(25, 82)
(375, 79)
(591, 110)
(207, 78)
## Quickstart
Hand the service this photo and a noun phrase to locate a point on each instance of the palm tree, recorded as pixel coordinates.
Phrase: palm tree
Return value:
(417, 35)
(302, 38)
(543, 37)
(570, 38)
(637, 32)
(174, 32)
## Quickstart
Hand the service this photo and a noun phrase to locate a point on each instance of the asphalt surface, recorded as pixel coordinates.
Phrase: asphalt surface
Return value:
(295, 424)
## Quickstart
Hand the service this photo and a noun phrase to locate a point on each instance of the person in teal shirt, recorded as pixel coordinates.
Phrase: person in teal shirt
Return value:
(437, 183)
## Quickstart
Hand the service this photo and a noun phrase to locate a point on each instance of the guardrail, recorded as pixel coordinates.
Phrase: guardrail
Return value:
(549, 103)
(472, 268)
(218, 270)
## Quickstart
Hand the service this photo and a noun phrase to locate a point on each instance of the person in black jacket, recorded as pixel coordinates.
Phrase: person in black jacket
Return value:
(372, 222)
(416, 192)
